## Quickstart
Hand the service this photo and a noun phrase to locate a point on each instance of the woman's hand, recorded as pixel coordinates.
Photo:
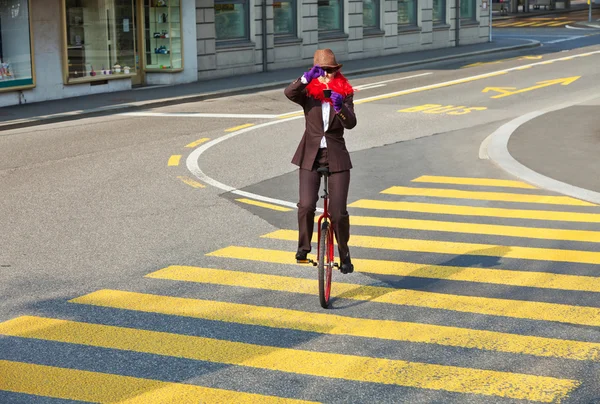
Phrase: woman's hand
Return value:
(314, 73)
(337, 101)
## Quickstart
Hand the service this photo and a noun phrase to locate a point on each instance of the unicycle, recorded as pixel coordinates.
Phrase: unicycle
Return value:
(325, 250)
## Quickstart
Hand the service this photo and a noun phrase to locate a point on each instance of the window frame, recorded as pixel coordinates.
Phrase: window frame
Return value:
(377, 12)
(294, 33)
(32, 56)
(142, 18)
(415, 16)
(233, 41)
(333, 32)
(444, 20)
(65, 55)
(473, 10)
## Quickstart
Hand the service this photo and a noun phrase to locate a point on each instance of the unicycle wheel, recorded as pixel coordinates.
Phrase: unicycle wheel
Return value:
(325, 264)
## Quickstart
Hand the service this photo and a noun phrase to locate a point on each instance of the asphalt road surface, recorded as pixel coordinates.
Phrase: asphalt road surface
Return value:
(149, 257)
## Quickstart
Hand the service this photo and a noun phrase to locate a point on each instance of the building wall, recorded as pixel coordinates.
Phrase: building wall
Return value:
(220, 61)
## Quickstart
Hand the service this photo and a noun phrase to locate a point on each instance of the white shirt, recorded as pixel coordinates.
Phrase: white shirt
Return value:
(326, 110)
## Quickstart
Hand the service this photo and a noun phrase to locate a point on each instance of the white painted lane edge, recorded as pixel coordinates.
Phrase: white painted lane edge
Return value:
(497, 151)
(199, 115)
(193, 165)
(566, 39)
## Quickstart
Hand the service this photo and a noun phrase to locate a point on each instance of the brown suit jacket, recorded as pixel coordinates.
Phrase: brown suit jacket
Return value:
(339, 158)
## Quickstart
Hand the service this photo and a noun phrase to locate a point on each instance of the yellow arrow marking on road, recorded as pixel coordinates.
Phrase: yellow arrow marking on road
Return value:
(507, 91)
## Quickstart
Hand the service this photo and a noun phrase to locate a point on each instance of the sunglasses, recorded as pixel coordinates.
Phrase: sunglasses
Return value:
(330, 70)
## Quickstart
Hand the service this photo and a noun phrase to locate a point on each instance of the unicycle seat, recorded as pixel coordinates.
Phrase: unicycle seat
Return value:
(324, 171)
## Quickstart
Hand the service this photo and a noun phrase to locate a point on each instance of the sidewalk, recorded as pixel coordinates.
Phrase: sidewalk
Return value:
(152, 97)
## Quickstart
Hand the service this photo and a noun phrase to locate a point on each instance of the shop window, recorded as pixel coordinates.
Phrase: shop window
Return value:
(371, 14)
(231, 20)
(100, 39)
(439, 12)
(407, 12)
(331, 15)
(16, 61)
(284, 18)
(162, 35)
(467, 10)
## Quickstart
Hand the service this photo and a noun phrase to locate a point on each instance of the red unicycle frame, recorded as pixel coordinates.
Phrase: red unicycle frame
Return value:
(325, 250)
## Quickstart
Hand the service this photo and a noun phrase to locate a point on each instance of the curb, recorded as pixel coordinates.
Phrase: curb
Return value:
(497, 151)
(132, 106)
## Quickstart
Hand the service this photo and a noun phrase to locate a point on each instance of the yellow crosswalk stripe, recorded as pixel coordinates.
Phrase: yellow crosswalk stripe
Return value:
(444, 209)
(264, 205)
(454, 248)
(486, 182)
(334, 324)
(485, 196)
(495, 276)
(539, 311)
(337, 366)
(81, 385)
(475, 228)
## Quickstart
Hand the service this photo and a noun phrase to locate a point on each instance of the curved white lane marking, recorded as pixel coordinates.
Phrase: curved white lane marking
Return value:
(498, 152)
(193, 165)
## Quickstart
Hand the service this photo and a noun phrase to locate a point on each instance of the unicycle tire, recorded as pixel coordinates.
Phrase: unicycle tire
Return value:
(324, 265)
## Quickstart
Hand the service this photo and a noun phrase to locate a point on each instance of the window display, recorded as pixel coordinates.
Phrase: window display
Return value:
(162, 28)
(100, 39)
(16, 62)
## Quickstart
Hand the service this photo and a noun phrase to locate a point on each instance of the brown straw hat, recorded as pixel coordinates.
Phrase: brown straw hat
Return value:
(325, 58)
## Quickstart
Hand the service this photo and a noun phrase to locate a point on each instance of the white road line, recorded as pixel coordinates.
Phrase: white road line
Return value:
(199, 115)
(566, 39)
(391, 80)
(192, 164)
(192, 161)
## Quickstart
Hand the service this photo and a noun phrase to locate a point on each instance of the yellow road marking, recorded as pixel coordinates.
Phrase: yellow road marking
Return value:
(174, 160)
(454, 248)
(397, 268)
(264, 205)
(198, 142)
(539, 311)
(431, 87)
(473, 228)
(247, 125)
(485, 196)
(540, 84)
(191, 182)
(485, 182)
(372, 370)
(329, 323)
(443, 209)
(291, 115)
(82, 385)
(558, 24)
(443, 109)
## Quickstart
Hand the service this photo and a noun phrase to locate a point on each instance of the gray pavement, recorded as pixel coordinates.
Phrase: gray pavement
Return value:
(570, 157)
(75, 108)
